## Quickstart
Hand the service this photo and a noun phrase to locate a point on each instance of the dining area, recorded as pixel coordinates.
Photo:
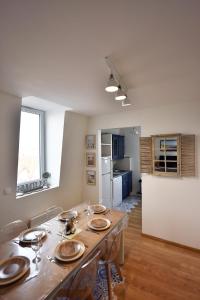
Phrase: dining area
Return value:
(72, 254)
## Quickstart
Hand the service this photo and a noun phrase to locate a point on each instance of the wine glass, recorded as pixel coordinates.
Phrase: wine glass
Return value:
(39, 238)
(90, 212)
(35, 246)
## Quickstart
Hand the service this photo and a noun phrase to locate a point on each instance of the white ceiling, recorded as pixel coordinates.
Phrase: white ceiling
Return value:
(55, 49)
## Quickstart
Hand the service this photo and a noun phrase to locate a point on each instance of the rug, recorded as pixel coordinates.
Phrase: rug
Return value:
(128, 204)
(101, 289)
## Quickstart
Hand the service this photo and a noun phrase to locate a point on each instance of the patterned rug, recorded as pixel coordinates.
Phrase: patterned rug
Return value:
(101, 290)
(128, 203)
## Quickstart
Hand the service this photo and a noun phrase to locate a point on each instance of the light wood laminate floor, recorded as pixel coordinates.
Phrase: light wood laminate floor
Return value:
(155, 270)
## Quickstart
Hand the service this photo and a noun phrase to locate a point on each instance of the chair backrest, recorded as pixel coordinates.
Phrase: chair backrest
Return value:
(85, 279)
(113, 244)
(11, 230)
(83, 283)
(45, 216)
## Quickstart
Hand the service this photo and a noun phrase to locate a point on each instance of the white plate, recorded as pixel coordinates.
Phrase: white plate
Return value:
(99, 208)
(80, 253)
(28, 235)
(99, 228)
(68, 214)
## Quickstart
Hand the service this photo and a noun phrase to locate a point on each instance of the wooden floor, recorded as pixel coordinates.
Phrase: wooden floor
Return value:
(155, 270)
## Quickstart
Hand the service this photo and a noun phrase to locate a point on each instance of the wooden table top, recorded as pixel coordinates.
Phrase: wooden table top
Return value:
(51, 275)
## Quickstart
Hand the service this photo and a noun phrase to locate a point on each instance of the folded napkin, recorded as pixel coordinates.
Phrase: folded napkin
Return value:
(71, 236)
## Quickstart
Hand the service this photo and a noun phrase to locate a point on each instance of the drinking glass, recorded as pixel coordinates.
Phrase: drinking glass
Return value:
(90, 212)
(39, 238)
(35, 245)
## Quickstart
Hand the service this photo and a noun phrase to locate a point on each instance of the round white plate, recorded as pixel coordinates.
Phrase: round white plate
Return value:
(28, 235)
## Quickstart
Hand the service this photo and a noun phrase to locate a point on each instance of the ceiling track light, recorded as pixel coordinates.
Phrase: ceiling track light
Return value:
(112, 85)
(126, 102)
(116, 84)
(120, 94)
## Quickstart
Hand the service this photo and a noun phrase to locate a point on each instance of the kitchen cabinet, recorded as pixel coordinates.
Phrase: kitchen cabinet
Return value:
(117, 147)
(126, 184)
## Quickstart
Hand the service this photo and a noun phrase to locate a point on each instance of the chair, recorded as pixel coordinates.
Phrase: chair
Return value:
(45, 216)
(110, 256)
(11, 230)
(83, 283)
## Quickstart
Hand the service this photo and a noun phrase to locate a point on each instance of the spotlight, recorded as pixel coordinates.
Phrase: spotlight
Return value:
(126, 102)
(112, 85)
(120, 94)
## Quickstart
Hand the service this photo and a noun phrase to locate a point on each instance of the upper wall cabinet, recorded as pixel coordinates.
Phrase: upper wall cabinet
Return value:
(117, 146)
(168, 155)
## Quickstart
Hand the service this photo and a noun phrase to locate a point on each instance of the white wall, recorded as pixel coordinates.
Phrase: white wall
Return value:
(54, 139)
(170, 206)
(70, 191)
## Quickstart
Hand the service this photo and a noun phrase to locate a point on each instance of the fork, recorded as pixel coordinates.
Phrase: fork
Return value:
(51, 259)
(31, 277)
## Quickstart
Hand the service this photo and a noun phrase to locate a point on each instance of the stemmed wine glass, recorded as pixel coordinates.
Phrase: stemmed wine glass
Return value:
(36, 244)
(90, 212)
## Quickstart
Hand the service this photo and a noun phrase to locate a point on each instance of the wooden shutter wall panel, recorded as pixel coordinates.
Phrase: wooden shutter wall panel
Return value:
(188, 155)
(146, 155)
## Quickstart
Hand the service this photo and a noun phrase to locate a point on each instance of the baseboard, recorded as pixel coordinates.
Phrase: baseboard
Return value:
(171, 243)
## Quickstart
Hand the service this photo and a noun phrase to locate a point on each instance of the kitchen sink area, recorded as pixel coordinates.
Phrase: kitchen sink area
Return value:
(119, 172)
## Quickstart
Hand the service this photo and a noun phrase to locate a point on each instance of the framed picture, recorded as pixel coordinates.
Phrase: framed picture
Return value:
(91, 177)
(91, 159)
(90, 141)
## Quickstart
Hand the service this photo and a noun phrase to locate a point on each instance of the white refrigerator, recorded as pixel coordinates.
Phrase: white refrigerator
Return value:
(106, 182)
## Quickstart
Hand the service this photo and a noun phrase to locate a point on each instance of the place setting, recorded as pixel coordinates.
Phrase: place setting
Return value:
(30, 235)
(99, 224)
(98, 208)
(68, 214)
(67, 251)
(13, 268)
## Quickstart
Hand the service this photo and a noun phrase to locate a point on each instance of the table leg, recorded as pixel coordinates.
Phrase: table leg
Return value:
(121, 250)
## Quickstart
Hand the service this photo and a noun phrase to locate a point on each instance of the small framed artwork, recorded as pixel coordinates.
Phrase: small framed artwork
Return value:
(91, 141)
(91, 177)
(91, 159)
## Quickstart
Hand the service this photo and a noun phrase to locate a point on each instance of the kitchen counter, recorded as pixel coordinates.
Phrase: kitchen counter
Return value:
(120, 173)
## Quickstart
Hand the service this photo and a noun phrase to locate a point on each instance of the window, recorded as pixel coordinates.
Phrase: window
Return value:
(166, 156)
(31, 159)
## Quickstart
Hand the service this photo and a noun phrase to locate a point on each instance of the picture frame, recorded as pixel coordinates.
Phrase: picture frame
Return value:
(90, 141)
(91, 177)
(91, 159)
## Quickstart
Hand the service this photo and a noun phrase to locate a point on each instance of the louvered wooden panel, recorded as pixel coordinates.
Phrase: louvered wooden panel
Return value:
(188, 155)
(146, 155)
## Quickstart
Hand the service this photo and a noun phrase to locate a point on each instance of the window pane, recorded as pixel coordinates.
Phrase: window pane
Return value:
(29, 148)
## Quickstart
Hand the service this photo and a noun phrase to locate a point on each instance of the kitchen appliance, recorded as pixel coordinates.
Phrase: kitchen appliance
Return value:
(106, 182)
(117, 190)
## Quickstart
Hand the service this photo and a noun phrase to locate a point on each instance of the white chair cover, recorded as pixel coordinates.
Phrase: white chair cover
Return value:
(11, 230)
(45, 216)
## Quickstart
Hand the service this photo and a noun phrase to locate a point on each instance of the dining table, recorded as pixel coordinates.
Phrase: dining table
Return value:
(44, 279)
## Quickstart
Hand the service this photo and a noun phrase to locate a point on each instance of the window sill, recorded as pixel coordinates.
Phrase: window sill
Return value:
(37, 192)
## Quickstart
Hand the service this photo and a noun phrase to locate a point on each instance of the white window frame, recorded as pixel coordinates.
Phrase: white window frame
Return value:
(33, 185)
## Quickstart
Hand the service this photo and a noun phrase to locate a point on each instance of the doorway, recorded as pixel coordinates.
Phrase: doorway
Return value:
(120, 180)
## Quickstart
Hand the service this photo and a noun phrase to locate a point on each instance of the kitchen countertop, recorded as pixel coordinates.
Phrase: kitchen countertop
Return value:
(120, 173)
